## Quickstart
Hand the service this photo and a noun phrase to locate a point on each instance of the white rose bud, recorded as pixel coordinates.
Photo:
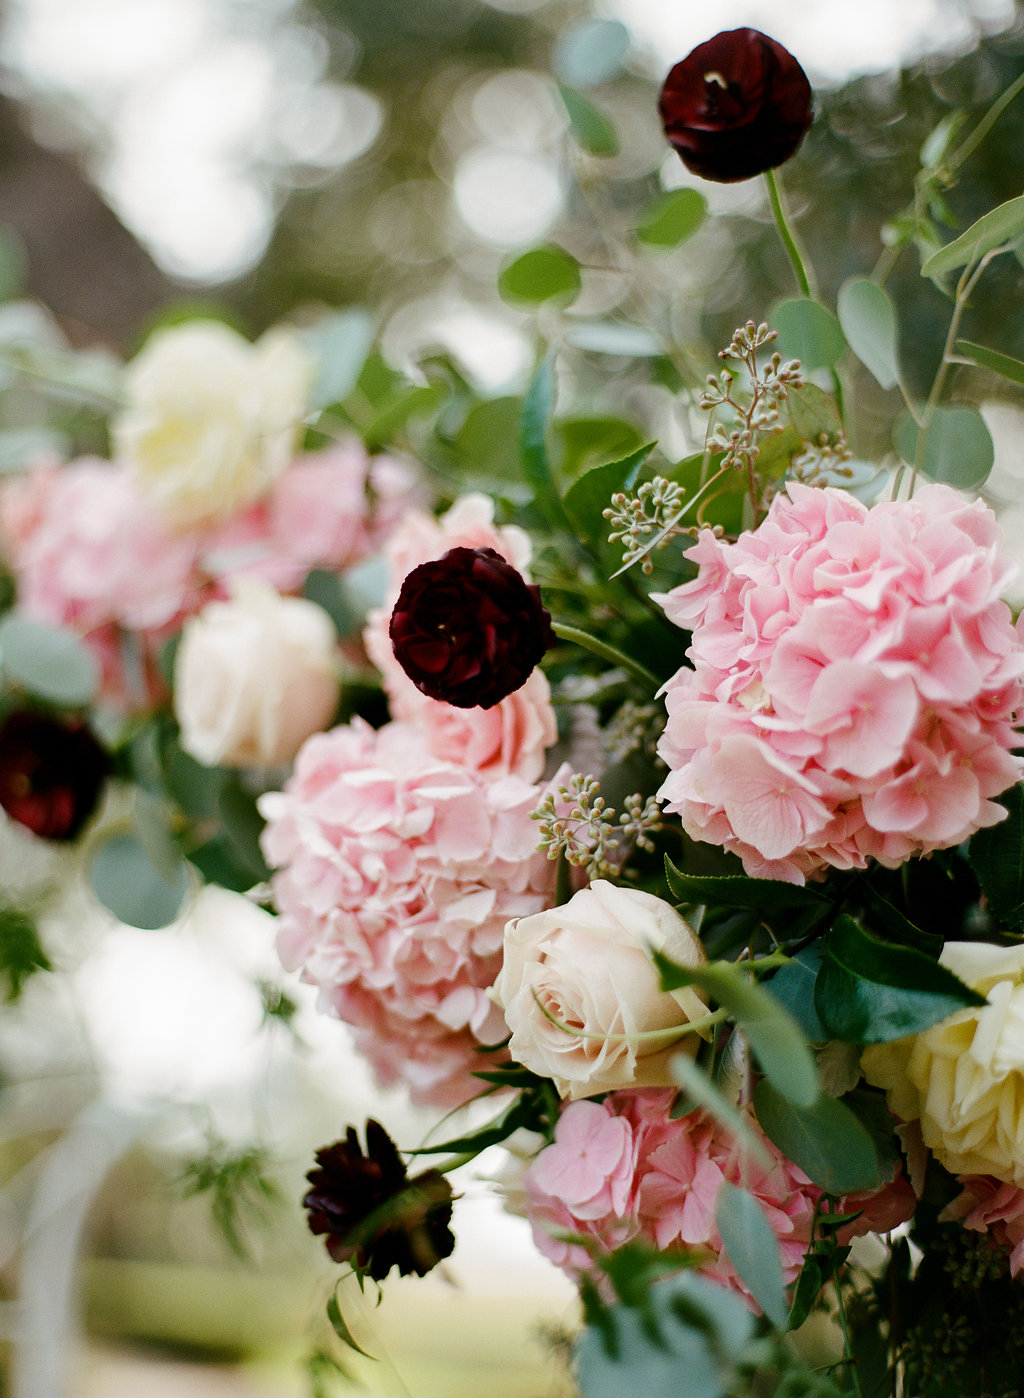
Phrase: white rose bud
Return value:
(962, 1078)
(581, 994)
(211, 420)
(254, 677)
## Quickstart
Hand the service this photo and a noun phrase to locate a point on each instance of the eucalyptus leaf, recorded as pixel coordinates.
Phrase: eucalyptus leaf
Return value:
(128, 883)
(809, 332)
(997, 857)
(869, 991)
(672, 218)
(1004, 364)
(957, 448)
(1003, 224)
(616, 338)
(813, 413)
(826, 1140)
(868, 318)
(591, 128)
(590, 52)
(47, 661)
(771, 1031)
(753, 1249)
(793, 987)
(538, 406)
(340, 343)
(701, 1092)
(542, 274)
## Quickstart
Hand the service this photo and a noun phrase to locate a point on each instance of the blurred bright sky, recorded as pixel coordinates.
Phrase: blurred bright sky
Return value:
(198, 107)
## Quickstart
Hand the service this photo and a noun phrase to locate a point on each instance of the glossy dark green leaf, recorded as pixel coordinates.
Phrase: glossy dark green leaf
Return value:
(869, 991)
(868, 318)
(771, 1031)
(1004, 224)
(997, 857)
(808, 332)
(672, 218)
(542, 274)
(761, 895)
(588, 497)
(957, 450)
(828, 1142)
(752, 1248)
(243, 826)
(591, 128)
(47, 661)
(1004, 364)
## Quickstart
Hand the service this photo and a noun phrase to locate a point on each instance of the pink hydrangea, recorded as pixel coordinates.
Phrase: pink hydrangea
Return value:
(397, 872)
(855, 683)
(622, 1169)
(509, 738)
(991, 1206)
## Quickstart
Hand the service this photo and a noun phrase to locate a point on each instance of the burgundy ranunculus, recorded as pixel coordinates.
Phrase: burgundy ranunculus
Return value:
(738, 105)
(51, 773)
(374, 1216)
(468, 629)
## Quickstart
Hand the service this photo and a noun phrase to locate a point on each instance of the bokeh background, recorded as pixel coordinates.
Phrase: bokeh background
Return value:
(385, 158)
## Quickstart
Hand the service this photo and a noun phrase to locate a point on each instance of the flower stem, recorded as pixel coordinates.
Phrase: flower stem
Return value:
(789, 241)
(606, 652)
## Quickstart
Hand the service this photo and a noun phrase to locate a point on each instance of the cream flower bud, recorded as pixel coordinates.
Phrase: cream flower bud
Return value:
(964, 1077)
(254, 677)
(211, 420)
(581, 993)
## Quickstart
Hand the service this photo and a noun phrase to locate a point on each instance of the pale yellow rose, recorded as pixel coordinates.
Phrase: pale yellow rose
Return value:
(963, 1078)
(581, 995)
(211, 420)
(254, 677)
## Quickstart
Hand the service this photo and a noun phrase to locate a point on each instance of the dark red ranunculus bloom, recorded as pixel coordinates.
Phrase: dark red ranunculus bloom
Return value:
(374, 1216)
(468, 629)
(738, 105)
(51, 773)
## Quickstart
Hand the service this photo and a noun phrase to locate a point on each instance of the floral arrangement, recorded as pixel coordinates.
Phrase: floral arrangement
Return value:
(667, 811)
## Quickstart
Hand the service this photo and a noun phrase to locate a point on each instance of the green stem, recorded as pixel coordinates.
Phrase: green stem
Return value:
(967, 148)
(606, 652)
(789, 241)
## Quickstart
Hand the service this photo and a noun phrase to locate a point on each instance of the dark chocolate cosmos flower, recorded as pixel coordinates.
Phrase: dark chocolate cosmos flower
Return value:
(51, 773)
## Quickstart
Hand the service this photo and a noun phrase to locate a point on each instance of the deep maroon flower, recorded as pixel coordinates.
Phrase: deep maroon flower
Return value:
(468, 629)
(51, 773)
(374, 1216)
(738, 105)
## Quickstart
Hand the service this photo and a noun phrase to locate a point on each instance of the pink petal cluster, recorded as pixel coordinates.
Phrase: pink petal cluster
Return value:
(622, 1169)
(397, 871)
(854, 687)
(510, 737)
(992, 1206)
(89, 552)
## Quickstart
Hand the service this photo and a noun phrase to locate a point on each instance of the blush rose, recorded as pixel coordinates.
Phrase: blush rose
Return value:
(581, 994)
(254, 677)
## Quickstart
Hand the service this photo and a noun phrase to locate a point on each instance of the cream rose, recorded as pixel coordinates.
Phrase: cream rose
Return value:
(211, 420)
(963, 1078)
(254, 677)
(587, 966)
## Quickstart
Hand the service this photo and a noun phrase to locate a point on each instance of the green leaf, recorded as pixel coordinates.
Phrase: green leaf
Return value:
(1004, 364)
(616, 338)
(590, 52)
(342, 1331)
(243, 826)
(771, 1031)
(47, 661)
(808, 332)
(538, 405)
(997, 857)
(589, 496)
(958, 446)
(591, 128)
(21, 952)
(487, 441)
(701, 1092)
(128, 883)
(340, 343)
(869, 991)
(672, 218)
(586, 442)
(813, 413)
(868, 319)
(1003, 224)
(765, 896)
(828, 1142)
(793, 987)
(753, 1249)
(543, 274)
